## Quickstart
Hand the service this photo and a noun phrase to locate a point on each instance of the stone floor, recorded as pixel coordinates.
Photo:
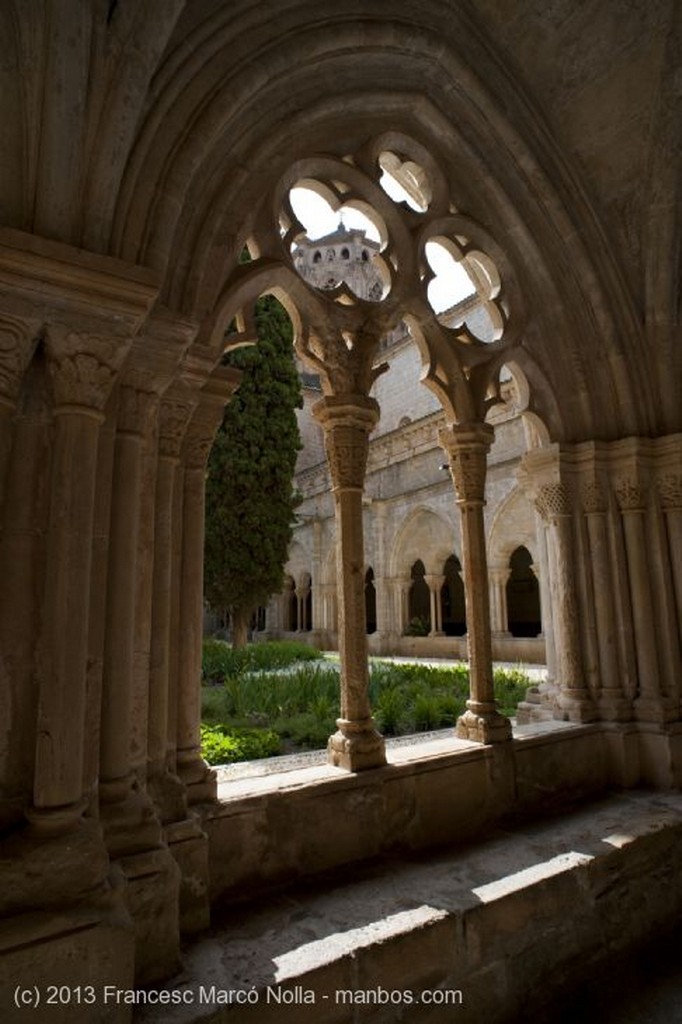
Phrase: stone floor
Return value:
(479, 919)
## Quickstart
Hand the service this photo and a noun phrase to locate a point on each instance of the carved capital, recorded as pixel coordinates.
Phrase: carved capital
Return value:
(17, 344)
(83, 365)
(467, 446)
(347, 421)
(135, 409)
(630, 494)
(593, 497)
(669, 487)
(553, 500)
(174, 417)
(196, 449)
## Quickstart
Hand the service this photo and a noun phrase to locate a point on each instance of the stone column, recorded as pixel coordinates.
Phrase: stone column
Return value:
(127, 815)
(25, 445)
(574, 700)
(347, 421)
(164, 785)
(316, 577)
(650, 705)
(612, 701)
(669, 486)
(546, 606)
(385, 622)
(498, 577)
(402, 586)
(83, 368)
(467, 446)
(435, 583)
(198, 778)
(18, 340)
(300, 609)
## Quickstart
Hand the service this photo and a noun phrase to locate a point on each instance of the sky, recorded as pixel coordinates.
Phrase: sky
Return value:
(451, 283)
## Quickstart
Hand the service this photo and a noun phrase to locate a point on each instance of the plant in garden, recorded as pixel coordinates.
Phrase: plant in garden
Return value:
(222, 744)
(250, 500)
(300, 704)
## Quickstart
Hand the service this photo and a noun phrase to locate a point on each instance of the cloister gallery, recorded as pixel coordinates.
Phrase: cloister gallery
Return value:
(145, 145)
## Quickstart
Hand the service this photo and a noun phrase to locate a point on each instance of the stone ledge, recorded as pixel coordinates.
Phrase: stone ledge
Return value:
(490, 921)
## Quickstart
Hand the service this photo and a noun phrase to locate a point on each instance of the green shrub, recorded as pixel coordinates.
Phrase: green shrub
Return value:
(221, 744)
(220, 660)
(418, 627)
(305, 731)
(390, 709)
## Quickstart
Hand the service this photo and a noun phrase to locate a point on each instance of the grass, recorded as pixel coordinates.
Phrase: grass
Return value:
(276, 697)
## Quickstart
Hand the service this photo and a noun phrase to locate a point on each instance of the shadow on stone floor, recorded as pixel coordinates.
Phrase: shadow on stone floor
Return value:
(642, 987)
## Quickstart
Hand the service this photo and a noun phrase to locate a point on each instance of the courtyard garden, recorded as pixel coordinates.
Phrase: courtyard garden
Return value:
(282, 697)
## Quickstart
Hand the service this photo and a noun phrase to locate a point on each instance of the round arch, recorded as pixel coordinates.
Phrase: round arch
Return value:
(424, 536)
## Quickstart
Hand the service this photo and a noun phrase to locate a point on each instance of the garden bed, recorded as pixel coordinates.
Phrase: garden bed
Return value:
(283, 697)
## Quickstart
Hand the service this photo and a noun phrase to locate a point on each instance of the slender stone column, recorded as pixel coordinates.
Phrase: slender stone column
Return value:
(347, 421)
(126, 813)
(403, 585)
(651, 705)
(385, 621)
(574, 700)
(98, 596)
(316, 577)
(612, 702)
(435, 583)
(17, 344)
(164, 785)
(83, 368)
(499, 576)
(198, 778)
(300, 609)
(467, 446)
(670, 493)
(546, 606)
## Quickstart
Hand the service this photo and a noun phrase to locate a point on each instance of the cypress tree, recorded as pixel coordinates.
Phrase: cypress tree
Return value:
(250, 502)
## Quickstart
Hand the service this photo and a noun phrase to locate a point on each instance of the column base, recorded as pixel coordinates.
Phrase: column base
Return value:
(575, 705)
(614, 707)
(537, 707)
(42, 871)
(483, 723)
(656, 709)
(168, 795)
(188, 843)
(200, 781)
(128, 818)
(44, 822)
(83, 950)
(151, 896)
(356, 746)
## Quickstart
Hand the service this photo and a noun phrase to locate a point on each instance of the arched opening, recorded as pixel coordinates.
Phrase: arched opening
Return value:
(452, 599)
(370, 602)
(523, 595)
(419, 605)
